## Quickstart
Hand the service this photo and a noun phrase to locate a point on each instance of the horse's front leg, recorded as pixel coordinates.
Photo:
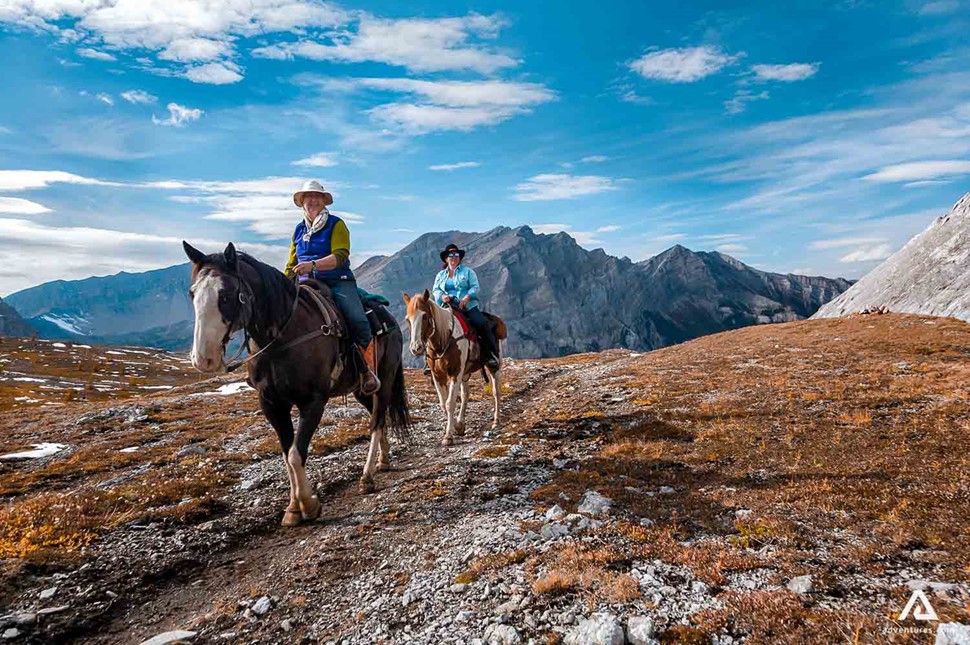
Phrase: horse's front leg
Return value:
(460, 421)
(440, 389)
(279, 417)
(453, 387)
(310, 415)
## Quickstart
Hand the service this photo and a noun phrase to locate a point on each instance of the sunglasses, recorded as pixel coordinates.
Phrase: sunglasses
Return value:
(454, 255)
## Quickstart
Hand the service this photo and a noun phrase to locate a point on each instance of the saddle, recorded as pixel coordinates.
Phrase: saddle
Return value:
(469, 332)
(380, 319)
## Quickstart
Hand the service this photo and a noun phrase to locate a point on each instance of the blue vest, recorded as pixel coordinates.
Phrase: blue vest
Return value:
(319, 247)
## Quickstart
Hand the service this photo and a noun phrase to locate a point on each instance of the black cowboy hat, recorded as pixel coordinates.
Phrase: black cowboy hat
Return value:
(449, 249)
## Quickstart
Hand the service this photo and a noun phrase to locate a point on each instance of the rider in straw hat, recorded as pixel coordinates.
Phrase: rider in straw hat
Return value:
(320, 249)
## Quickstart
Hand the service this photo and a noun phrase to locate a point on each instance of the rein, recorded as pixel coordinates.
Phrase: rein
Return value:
(326, 329)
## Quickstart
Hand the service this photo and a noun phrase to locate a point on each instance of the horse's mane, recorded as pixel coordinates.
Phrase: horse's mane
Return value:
(273, 292)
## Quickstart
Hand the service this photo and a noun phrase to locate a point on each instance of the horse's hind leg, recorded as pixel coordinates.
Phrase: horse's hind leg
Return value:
(375, 453)
(309, 420)
(496, 380)
(279, 418)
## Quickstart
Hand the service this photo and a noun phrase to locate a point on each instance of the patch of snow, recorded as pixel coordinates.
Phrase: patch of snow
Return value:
(28, 379)
(40, 450)
(68, 323)
(129, 449)
(156, 387)
(227, 389)
(58, 345)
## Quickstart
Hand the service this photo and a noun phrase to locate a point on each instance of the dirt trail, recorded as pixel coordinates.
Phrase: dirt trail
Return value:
(429, 488)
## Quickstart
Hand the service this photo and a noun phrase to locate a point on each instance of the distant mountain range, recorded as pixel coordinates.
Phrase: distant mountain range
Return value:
(930, 275)
(11, 324)
(150, 309)
(556, 297)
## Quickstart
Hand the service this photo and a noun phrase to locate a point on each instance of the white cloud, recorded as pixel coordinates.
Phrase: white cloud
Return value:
(611, 228)
(82, 251)
(87, 52)
(722, 237)
(105, 98)
(319, 160)
(920, 170)
(786, 73)
(732, 248)
(845, 241)
(594, 159)
(682, 65)
(561, 186)
(443, 105)
(195, 49)
(420, 45)
(939, 8)
(139, 96)
(455, 166)
(17, 180)
(19, 206)
(739, 102)
(669, 237)
(214, 74)
(178, 116)
(868, 254)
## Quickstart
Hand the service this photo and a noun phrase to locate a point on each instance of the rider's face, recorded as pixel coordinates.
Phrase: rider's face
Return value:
(313, 204)
(453, 260)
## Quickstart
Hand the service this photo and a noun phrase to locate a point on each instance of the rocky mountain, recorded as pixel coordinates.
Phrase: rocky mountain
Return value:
(150, 308)
(11, 324)
(559, 298)
(927, 276)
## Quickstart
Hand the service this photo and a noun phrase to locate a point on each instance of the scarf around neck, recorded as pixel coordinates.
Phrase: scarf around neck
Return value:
(315, 225)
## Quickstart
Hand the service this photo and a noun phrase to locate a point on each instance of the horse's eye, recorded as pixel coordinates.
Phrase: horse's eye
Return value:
(191, 295)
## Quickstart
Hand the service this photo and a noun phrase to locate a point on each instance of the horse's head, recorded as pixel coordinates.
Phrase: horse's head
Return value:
(420, 316)
(222, 303)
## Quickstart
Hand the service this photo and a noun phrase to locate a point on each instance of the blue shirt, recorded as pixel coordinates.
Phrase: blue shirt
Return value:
(464, 283)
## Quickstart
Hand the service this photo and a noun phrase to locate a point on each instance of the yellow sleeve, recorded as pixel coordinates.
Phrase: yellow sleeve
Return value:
(340, 242)
(288, 271)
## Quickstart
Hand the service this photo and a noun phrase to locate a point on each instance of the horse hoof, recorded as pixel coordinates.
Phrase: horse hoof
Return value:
(367, 486)
(460, 429)
(383, 465)
(448, 441)
(291, 518)
(312, 510)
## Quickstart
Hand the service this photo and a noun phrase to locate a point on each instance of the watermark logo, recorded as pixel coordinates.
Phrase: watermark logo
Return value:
(919, 606)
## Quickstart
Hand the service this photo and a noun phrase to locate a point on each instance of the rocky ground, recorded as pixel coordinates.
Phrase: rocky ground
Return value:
(788, 483)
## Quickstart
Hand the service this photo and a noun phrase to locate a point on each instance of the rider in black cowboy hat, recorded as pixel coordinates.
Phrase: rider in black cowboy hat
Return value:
(457, 286)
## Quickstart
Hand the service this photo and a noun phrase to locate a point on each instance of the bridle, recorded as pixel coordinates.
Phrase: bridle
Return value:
(433, 334)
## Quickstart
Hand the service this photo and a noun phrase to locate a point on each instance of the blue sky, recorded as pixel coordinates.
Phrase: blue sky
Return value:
(795, 137)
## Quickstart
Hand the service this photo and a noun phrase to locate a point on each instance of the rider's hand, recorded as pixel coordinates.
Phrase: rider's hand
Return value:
(446, 298)
(303, 268)
(464, 301)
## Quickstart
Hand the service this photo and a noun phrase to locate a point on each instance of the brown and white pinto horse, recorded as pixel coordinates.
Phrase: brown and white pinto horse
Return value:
(452, 356)
(300, 361)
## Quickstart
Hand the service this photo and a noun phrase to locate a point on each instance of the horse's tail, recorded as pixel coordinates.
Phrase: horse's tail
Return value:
(400, 415)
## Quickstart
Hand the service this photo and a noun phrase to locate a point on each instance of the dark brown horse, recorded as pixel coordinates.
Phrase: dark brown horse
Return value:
(297, 359)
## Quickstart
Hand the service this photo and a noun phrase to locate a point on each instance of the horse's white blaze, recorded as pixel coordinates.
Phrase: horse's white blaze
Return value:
(417, 347)
(210, 328)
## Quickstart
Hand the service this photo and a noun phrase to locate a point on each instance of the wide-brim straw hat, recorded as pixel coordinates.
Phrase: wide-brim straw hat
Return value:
(312, 186)
(449, 249)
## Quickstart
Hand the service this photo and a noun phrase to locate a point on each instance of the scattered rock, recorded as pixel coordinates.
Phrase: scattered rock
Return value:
(743, 513)
(639, 630)
(170, 637)
(287, 625)
(952, 634)
(47, 594)
(551, 531)
(250, 484)
(261, 606)
(191, 450)
(507, 608)
(598, 629)
(52, 610)
(936, 587)
(11, 633)
(667, 490)
(646, 521)
(555, 513)
(594, 504)
(800, 584)
(459, 587)
(559, 463)
(497, 634)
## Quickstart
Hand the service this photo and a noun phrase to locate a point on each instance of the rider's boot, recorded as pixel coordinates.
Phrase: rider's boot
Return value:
(369, 383)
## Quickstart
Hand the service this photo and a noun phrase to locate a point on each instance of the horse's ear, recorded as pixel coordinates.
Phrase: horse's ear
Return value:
(230, 255)
(427, 295)
(193, 253)
(407, 298)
